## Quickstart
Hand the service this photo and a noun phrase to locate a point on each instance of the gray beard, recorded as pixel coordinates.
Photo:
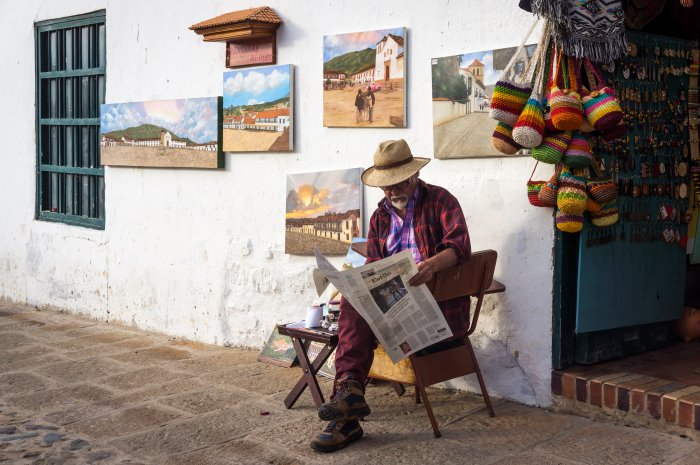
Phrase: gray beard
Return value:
(399, 203)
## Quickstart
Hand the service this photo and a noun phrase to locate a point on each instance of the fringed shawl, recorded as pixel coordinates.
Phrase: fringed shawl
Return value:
(594, 29)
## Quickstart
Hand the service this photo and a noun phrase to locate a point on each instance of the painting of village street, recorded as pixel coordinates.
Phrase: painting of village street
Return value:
(462, 90)
(323, 210)
(181, 133)
(364, 76)
(258, 109)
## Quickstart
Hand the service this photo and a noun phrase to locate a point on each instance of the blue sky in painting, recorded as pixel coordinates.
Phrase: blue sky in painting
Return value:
(193, 118)
(256, 85)
(340, 44)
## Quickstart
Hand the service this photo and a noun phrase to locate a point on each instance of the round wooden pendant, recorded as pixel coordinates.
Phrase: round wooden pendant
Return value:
(632, 49)
(682, 169)
(645, 189)
(683, 190)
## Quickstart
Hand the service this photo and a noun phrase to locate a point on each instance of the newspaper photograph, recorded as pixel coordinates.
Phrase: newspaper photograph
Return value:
(404, 318)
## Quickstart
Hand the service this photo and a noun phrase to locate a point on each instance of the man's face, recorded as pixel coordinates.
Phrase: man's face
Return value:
(399, 193)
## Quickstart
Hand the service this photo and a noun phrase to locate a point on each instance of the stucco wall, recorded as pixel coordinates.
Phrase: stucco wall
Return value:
(200, 254)
(445, 111)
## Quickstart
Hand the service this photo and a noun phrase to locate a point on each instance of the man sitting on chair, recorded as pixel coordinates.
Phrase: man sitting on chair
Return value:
(413, 215)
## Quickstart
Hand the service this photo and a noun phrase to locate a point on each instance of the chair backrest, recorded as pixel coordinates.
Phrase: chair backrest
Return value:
(471, 278)
(468, 279)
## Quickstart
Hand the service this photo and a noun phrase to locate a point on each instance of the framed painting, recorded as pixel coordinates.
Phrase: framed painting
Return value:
(462, 89)
(278, 350)
(323, 210)
(259, 109)
(182, 133)
(364, 79)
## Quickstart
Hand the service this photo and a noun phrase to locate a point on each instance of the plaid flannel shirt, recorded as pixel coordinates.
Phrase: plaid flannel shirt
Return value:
(438, 223)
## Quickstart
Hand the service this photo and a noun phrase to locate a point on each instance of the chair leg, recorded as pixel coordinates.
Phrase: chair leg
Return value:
(398, 388)
(484, 392)
(417, 395)
(428, 408)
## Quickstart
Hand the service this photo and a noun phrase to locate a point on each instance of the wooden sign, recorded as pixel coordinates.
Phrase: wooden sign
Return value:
(260, 51)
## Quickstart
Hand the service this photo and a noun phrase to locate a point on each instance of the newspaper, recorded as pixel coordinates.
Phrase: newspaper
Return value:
(404, 318)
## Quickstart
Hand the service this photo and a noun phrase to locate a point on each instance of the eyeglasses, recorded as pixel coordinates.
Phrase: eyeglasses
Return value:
(399, 185)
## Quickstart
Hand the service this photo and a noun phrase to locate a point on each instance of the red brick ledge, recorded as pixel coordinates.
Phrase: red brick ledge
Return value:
(659, 399)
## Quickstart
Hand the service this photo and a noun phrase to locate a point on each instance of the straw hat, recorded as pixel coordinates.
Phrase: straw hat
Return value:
(393, 163)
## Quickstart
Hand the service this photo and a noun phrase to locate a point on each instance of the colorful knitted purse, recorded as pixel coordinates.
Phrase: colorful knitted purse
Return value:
(548, 193)
(592, 206)
(502, 139)
(534, 188)
(552, 148)
(571, 194)
(564, 101)
(567, 222)
(615, 132)
(511, 92)
(607, 216)
(578, 154)
(529, 129)
(600, 106)
(601, 187)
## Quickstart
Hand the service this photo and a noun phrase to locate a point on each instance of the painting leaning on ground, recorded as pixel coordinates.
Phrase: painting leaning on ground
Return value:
(181, 133)
(259, 109)
(462, 90)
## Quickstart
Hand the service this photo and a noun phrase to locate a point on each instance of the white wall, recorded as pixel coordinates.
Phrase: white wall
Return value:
(445, 111)
(200, 254)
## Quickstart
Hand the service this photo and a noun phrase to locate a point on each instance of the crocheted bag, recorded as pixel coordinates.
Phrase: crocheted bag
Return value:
(578, 154)
(548, 193)
(511, 92)
(600, 106)
(567, 222)
(552, 148)
(571, 195)
(607, 216)
(529, 128)
(502, 139)
(564, 101)
(615, 132)
(534, 188)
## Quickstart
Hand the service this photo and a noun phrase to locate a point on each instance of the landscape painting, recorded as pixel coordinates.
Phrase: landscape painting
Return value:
(364, 79)
(462, 90)
(324, 211)
(181, 133)
(259, 109)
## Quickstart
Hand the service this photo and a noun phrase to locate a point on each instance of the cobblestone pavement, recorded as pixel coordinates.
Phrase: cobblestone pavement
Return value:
(77, 391)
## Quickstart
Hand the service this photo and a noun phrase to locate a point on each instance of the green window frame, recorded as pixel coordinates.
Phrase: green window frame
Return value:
(70, 86)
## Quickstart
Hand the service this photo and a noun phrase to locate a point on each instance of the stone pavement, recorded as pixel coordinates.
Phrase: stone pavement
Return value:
(77, 391)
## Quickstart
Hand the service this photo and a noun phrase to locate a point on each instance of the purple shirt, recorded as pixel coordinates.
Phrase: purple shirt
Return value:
(401, 235)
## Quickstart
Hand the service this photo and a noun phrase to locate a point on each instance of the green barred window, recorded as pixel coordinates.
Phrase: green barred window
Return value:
(70, 86)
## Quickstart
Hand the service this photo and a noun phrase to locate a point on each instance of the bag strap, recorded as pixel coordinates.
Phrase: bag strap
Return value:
(517, 52)
(593, 72)
(533, 170)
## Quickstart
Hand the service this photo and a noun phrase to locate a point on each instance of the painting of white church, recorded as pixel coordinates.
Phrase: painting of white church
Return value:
(364, 76)
(462, 87)
(182, 133)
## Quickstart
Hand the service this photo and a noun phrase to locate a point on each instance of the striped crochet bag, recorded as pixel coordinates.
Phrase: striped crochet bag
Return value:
(564, 100)
(510, 94)
(568, 222)
(600, 106)
(578, 154)
(607, 216)
(571, 194)
(502, 139)
(552, 148)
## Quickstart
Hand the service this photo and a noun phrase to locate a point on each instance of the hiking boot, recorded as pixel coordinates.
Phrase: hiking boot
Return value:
(337, 435)
(348, 402)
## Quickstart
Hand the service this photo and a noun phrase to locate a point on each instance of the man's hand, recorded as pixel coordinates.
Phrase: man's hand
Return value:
(426, 270)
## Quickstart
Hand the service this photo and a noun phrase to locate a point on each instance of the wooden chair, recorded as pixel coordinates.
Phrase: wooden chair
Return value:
(475, 279)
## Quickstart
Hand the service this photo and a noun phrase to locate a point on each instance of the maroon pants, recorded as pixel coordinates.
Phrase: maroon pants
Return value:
(356, 344)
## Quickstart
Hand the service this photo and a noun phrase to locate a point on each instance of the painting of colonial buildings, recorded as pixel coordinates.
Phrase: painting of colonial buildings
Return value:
(364, 76)
(181, 133)
(258, 109)
(462, 90)
(323, 210)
